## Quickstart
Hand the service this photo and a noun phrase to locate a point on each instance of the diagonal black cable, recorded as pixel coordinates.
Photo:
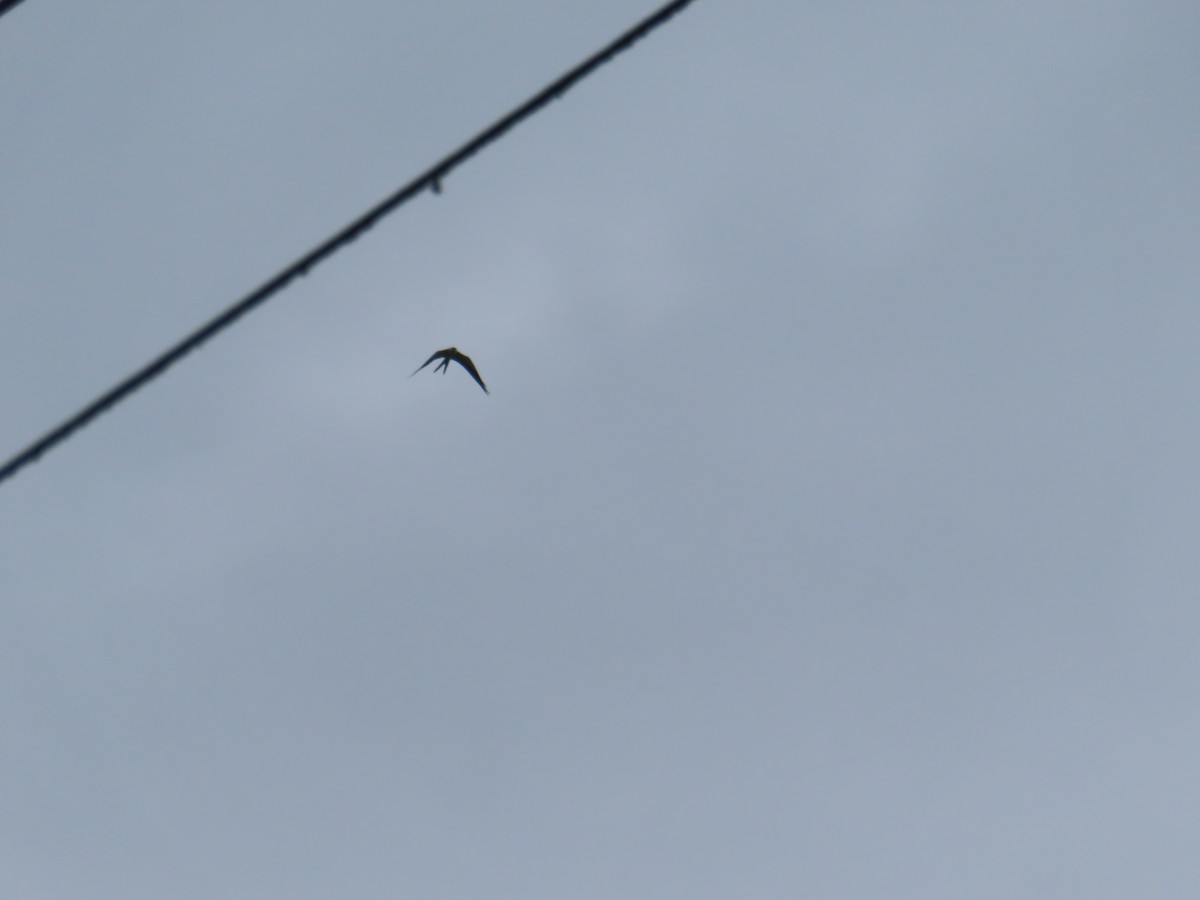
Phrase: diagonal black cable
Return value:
(6, 5)
(431, 179)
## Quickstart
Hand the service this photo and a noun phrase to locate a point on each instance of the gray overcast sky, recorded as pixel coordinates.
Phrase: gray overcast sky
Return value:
(830, 530)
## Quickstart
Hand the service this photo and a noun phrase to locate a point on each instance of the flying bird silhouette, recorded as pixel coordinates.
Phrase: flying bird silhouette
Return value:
(451, 354)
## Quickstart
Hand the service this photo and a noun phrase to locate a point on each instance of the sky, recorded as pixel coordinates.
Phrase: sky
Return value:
(829, 530)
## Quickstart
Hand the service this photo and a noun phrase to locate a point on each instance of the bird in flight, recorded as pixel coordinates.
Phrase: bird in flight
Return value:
(451, 354)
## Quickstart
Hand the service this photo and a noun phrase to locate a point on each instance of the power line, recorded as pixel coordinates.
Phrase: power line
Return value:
(6, 5)
(431, 179)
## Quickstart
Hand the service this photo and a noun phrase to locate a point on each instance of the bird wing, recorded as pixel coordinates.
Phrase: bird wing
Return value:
(465, 361)
(427, 362)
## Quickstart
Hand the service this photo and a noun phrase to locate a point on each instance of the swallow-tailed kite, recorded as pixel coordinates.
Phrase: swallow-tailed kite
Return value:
(451, 354)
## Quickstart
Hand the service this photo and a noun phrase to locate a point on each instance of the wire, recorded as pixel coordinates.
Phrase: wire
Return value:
(6, 5)
(431, 179)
